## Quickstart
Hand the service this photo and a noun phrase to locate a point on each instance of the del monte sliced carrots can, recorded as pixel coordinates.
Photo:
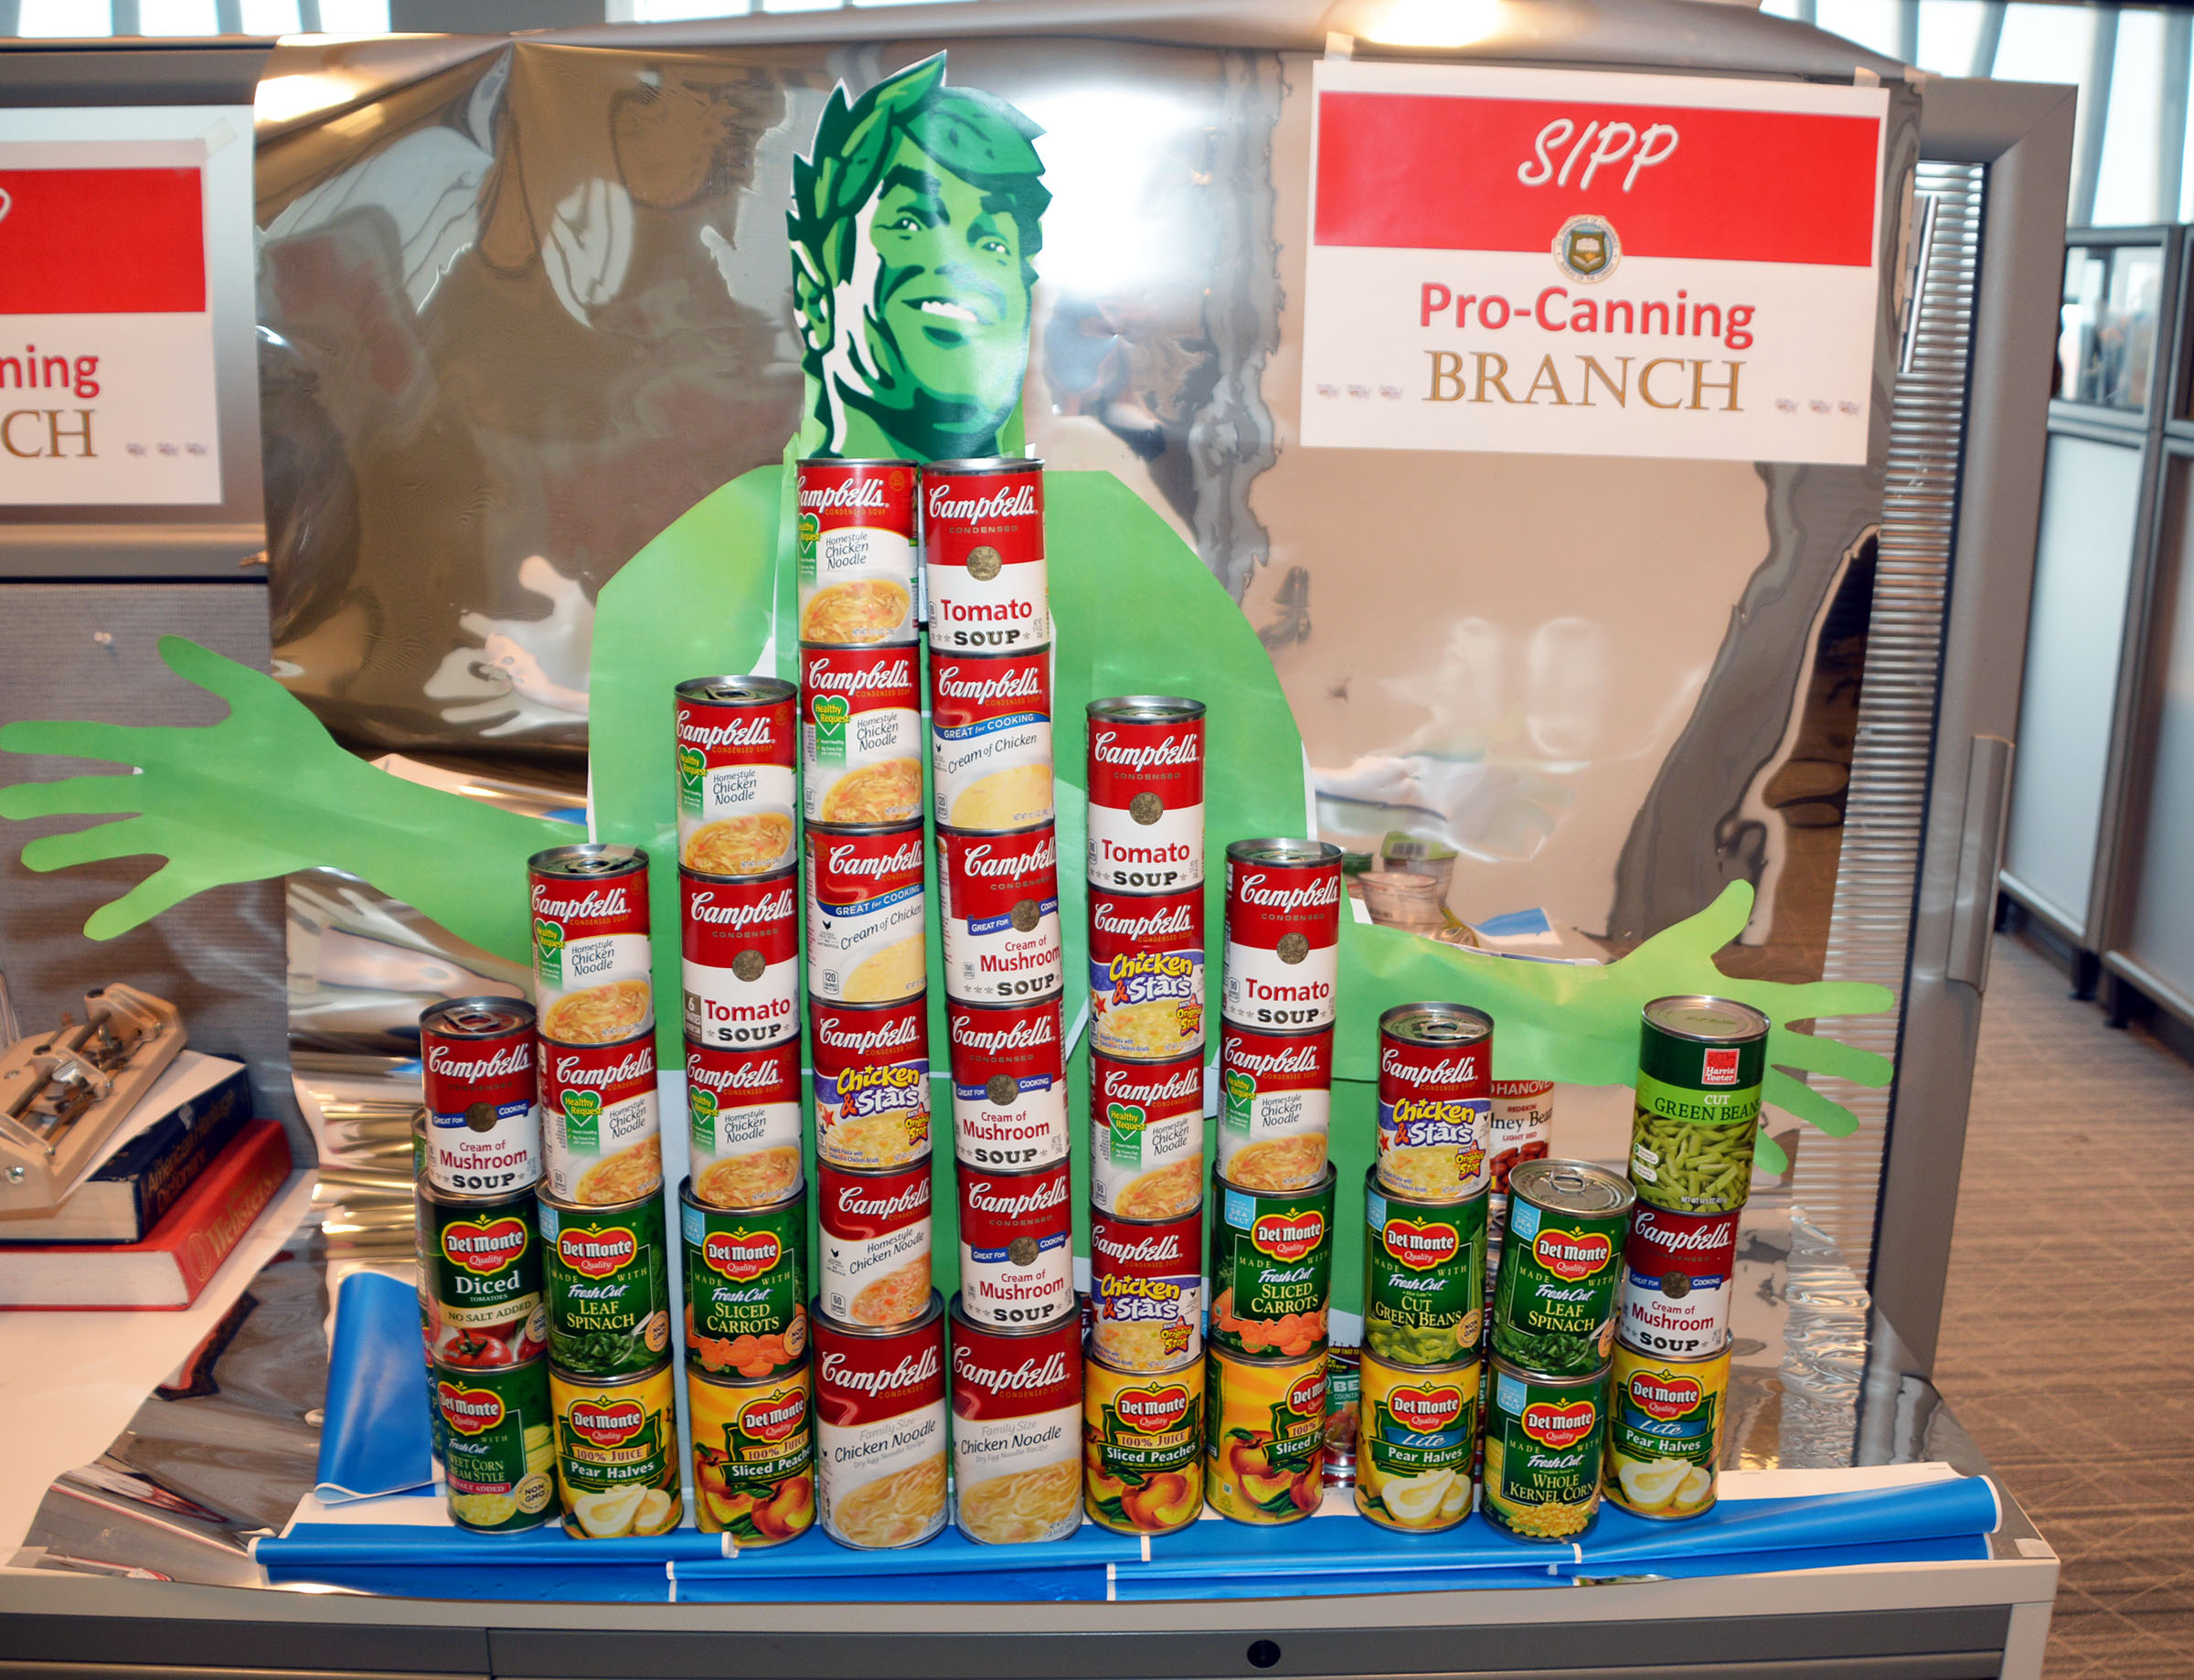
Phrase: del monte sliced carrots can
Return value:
(746, 1313)
(1272, 1268)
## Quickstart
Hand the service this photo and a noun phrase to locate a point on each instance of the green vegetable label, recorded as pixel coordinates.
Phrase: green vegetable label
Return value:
(1543, 1443)
(482, 1260)
(548, 952)
(1123, 1128)
(1271, 1269)
(745, 1287)
(609, 1301)
(1425, 1276)
(831, 713)
(1697, 1114)
(493, 1425)
(1554, 1304)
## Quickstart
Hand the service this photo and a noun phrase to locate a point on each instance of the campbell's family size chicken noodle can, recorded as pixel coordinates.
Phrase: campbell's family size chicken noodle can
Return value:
(482, 1130)
(753, 1455)
(872, 1081)
(1678, 1278)
(1009, 1082)
(601, 1122)
(982, 554)
(880, 1439)
(990, 739)
(1521, 1123)
(856, 552)
(860, 735)
(745, 1274)
(1146, 1136)
(1435, 1100)
(1143, 1446)
(1264, 1421)
(1001, 915)
(1016, 1427)
(482, 1281)
(1146, 788)
(1272, 1268)
(1146, 1289)
(1017, 1245)
(867, 903)
(590, 951)
(743, 1112)
(739, 940)
(1147, 974)
(617, 1452)
(875, 1268)
(1282, 933)
(1275, 1105)
(737, 793)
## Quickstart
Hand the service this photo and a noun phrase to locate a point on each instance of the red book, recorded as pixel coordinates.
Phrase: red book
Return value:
(169, 1268)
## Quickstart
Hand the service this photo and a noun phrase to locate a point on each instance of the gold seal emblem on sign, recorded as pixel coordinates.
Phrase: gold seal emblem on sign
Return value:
(1587, 249)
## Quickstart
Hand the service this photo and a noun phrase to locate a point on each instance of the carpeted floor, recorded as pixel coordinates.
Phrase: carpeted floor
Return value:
(2068, 1332)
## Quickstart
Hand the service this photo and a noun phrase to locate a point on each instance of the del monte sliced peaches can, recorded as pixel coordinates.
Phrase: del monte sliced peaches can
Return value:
(753, 1455)
(1142, 1447)
(1266, 1426)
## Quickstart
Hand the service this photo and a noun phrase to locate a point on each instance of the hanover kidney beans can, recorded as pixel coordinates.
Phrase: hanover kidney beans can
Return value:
(1016, 1427)
(1678, 1271)
(1001, 915)
(990, 739)
(739, 942)
(1275, 1105)
(1147, 974)
(1522, 1122)
(591, 957)
(866, 908)
(1147, 792)
(871, 1081)
(1435, 1100)
(876, 1243)
(982, 554)
(855, 551)
(736, 789)
(482, 1130)
(1009, 1082)
(1282, 933)
(599, 1120)
(1146, 1136)
(743, 1108)
(880, 1429)
(1017, 1249)
(860, 735)
(1146, 1289)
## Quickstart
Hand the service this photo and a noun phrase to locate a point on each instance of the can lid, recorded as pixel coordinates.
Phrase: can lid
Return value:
(1436, 1024)
(825, 1323)
(1049, 1326)
(1373, 1358)
(1572, 1187)
(477, 1018)
(987, 463)
(737, 690)
(595, 860)
(853, 460)
(1146, 708)
(791, 1199)
(1700, 1019)
(1281, 851)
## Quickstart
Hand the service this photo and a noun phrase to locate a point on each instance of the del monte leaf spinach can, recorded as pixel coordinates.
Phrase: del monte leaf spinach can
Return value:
(1702, 1064)
(609, 1289)
(1554, 1305)
(1424, 1274)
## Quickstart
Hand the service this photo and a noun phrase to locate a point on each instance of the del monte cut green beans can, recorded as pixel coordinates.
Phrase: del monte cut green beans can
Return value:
(1701, 1062)
(609, 1290)
(1424, 1274)
(1554, 1306)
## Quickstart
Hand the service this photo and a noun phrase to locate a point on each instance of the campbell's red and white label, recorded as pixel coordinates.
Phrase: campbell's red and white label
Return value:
(876, 1242)
(871, 1081)
(1522, 1126)
(983, 552)
(484, 1117)
(1273, 1088)
(856, 552)
(592, 958)
(860, 735)
(865, 909)
(601, 1125)
(1001, 915)
(736, 754)
(1434, 1114)
(1282, 942)
(1146, 802)
(742, 1110)
(990, 739)
(1009, 1082)
(1678, 1281)
(1146, 1136)
(1147, 1291)
(1147, 974)
(1016, 1258)
(739, 945)
(1017, 1429)
(880, 1431)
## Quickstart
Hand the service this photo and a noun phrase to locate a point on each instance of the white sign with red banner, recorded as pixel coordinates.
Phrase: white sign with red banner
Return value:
(1570, 263)
(106, 337)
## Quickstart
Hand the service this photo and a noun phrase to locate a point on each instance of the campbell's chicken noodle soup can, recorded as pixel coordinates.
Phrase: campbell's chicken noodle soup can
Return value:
(875, 1268)
(739, 940)
(860, 735)
(1009, 1082)
(982, 554)
(1146, 1289)
(590, 951)
(867, 903)
(880, 1440)
(1001, 915)
(482, 1135)
(990, 739)
(856, 552)
(1016, 1428)
(1143, 1446)
(1521, 1121)
(753, 1455)
(871, 1082)
(600, 1120)
(1282, 933)
(743, 1112)
(1275, 1106)
(1678, 1280)
(737, 795)
(1435, 1100)
(1146, 1137)
(483, 1285)
(1017, 1245)
(1264, 1421)
(1147, 974)
(1145, 792)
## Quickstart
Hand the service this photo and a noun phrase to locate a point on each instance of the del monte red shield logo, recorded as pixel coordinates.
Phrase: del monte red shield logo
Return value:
(1288, 1237)
(1308, 1398)
(774, 1417)
(1421, 1246)
(484, 1247)
(1560, 1424)
(1659, 1394)
(1574, 1256)
(1156, 1409)
(743, 1256)
(605, 1423)
(468, 1410)
(1426, 1410)
(597, 1254)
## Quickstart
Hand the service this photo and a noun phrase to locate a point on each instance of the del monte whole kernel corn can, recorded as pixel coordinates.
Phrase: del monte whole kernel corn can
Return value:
(1543, 1440)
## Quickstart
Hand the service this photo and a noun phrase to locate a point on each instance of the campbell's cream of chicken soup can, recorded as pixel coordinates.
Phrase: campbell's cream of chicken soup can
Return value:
(1001, 915)
(871, 1081)
(990, 739)
(982, 554)
(867, 903)
(860, 735)
(1016, 1427)
(880, 1439)
(482, 1130)
(736, 750)
(1145, 792)
(1282, 933)
(738, 942)
(1017, 1244)
(855, 551)
(877, 1238)
(1009, 1082)
(1146, 1136)
(591, 957)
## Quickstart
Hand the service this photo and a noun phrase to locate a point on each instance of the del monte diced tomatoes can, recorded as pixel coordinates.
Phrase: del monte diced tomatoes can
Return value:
(736, 791)
(481, 1261)
(1265, 1421)
(860, 735)
(880, 1437)
(1147, 974)
(592, 963)
(1146, 1136)
(617, 1452)
(1435, 1100)
(867, 902)
(1146, 1289)
(1017, 1256)
(753, 1455)
(1143, 1446)
(1146, 794)
(1001, 915)
(600, 1120)
(1272, 1268)
(871, 1081)
(1016, 1428)
(739, 943)
(983, 552)
(745, 1276)
(990, 739)
(1009, 1082)
(855, 551)
(483, 1131)
(875, 1270)
(608, 1285)
(1282, 933)
(743, 1109)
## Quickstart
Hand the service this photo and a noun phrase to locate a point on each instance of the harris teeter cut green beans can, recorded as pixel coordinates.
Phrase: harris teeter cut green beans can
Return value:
(1424, 1274)
(608, 1285)
(1701, 1063)
(1554, 1306)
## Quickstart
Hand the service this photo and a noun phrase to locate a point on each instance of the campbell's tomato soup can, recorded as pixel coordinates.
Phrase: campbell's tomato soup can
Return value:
(990, 739)
(1147, 974)
(590, 951)
(1016, 1258)
(1009, 1082)
(737, 796)
(1147, 792)
(871, 1081)
(743, 1109)
(1146, 1137)
(1679, 1278)
(1282, 933)
(1016, 1428)
(1275, 1106)
(1146, 1289)
(1521, 1123)
(880, 1438)
(740, 941)
(1001, 915)
(982, 554)
(600, 1120)
(860, 735)
(483, 1131)
(856, 555)
(866, 906)
(1435, 1082)
(875, 1266)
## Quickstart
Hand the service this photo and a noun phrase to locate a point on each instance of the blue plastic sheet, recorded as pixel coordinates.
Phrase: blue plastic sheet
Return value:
(376, 1439)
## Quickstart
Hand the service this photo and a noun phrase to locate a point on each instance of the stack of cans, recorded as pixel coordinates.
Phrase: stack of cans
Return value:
(1143, 1376)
